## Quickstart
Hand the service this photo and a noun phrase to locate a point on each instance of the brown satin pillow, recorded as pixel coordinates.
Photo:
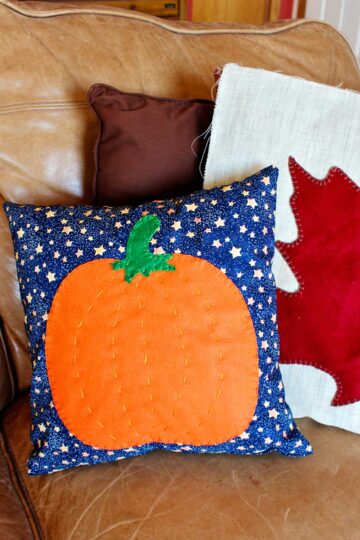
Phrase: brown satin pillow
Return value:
(144, 147)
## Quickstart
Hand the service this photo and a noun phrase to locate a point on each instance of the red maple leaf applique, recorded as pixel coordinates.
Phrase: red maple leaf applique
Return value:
(319, 324)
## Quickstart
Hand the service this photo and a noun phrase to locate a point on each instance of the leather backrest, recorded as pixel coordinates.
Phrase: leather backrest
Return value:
(7, 382)
(51, 54)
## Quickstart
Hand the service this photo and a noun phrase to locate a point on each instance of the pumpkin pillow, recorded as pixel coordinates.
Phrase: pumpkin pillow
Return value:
(153, 327)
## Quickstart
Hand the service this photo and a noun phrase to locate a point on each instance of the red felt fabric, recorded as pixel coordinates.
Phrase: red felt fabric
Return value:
(319, 324)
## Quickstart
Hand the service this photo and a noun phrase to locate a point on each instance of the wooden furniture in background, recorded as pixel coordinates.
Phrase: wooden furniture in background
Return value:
(159, 8)
(243, 11)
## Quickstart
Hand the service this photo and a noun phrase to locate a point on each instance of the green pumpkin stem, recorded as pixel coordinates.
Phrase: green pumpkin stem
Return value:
(138, 258)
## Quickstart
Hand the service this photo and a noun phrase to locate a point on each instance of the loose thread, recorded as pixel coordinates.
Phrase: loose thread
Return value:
(202, 173)
(201, 136)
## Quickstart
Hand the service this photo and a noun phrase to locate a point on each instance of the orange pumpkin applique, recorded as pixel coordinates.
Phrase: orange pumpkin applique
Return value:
(151, 348)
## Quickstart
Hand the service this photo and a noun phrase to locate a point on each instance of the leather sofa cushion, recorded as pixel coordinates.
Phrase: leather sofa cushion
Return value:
(14, 522)
(205, 496)
(51, 54)
(148, 148)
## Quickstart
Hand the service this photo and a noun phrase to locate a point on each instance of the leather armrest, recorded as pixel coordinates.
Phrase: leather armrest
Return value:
(7, 383)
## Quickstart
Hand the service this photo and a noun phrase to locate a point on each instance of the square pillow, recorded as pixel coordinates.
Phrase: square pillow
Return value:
(153, 327)
(317, 224)
(148, 147)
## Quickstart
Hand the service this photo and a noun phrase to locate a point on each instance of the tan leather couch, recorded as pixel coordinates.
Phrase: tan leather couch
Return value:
(49, 56)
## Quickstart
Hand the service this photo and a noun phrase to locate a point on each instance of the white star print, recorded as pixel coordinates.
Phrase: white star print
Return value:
(235, 252)
(191, 207)
(220, 222)
(99, 250)
(176, 225)
(273, 413)
(252, 203)
(50, 276)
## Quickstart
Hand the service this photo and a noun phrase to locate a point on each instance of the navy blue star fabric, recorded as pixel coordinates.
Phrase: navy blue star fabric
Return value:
(232, 227)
